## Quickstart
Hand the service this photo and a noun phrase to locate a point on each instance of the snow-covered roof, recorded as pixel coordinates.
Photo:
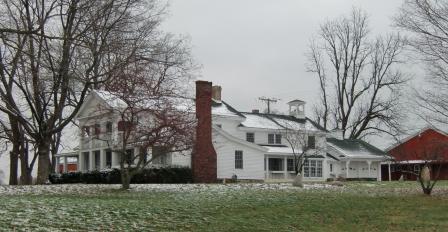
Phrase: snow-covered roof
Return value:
(281, 150)
(114, 101)
(259, 121)
(355, 148)
(279, 122)
(223, 109)
(111, 99)
(264, 121)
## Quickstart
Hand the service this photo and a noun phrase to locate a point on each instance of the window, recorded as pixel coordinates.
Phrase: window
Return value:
(312, 168)
(416, 168)
(274, 139)
(311, 142)
(331, 167)
(97, 129)
(159, 154)
(219, 125)
(278, 139)
(130, 156)
(271, 139)
(250, 137)
(108, 159)
(290, 166)
(238, 159)
(276, 164)
(109, 127)
(124, 125)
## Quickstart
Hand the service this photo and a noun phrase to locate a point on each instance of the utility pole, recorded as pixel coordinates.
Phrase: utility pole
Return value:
(268, 102)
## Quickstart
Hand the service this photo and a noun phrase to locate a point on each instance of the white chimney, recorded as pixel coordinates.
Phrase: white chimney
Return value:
(216, 92)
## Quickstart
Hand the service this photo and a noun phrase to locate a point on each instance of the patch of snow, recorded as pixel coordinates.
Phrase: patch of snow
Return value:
(86, 189)
(222, 110)
(257, 121)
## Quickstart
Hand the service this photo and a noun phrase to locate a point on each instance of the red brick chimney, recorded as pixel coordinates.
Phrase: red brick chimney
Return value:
(203, 160)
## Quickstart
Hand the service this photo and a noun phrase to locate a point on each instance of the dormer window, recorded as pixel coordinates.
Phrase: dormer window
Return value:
(312, 142)
(274, 139)
(108, 127)
(250, 137)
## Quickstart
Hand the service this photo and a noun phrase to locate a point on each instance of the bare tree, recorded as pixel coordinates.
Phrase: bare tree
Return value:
(303, 145)
(427, 23)
(53, 52)
(359, 77)
(155, 113)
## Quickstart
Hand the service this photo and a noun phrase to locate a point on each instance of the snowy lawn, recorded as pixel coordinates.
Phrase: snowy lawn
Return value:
(358, 206)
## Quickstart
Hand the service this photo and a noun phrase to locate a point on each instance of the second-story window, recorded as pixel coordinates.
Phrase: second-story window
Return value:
(278, 139)
(108, 127)
(97, 129)
(250, 137)
(124, 125)
(311, 142)
(274, 139)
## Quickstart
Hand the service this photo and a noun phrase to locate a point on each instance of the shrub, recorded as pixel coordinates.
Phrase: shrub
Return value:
(113, 176)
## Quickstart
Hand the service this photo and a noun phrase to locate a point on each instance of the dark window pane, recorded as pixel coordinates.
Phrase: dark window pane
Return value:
(238, 159)
(271, 139)
(250, 137)
(278, 139)
(311, 142)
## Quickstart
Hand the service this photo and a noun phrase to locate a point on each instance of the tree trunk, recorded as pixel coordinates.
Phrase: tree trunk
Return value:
(427, 191)
(125, 179)
(298, 180)
(43, 162)
(13, 167)
(25, 170)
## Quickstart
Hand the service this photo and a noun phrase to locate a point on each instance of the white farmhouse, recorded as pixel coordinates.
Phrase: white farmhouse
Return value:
(248, 145)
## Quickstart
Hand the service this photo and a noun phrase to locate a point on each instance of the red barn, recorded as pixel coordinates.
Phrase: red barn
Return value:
(429, 145)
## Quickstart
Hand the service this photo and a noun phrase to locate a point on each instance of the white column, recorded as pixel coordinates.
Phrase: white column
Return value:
(347, 164)
(369, 162)
(388, 169)
(378, 178)
(115, 159)
(285, 167)
(57, 165)
(91, 161)
(81, 161)
(78, 163)
(65, 164)
(102, 159)
(267, 167)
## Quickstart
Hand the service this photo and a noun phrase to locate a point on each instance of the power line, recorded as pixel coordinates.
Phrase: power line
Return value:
(268, 102)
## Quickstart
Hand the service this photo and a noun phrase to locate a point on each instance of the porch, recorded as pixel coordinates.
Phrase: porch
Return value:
(281, 168)
(361, 169)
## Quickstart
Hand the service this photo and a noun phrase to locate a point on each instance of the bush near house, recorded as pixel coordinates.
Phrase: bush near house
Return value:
(113, 176)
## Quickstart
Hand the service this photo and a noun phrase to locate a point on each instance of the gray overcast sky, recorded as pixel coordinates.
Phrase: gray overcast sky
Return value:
(256, 48)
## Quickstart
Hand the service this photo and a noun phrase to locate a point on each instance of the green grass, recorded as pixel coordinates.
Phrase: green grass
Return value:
(365, 206)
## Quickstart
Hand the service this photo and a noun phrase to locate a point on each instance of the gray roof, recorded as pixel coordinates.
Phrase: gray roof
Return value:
(356, 148)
